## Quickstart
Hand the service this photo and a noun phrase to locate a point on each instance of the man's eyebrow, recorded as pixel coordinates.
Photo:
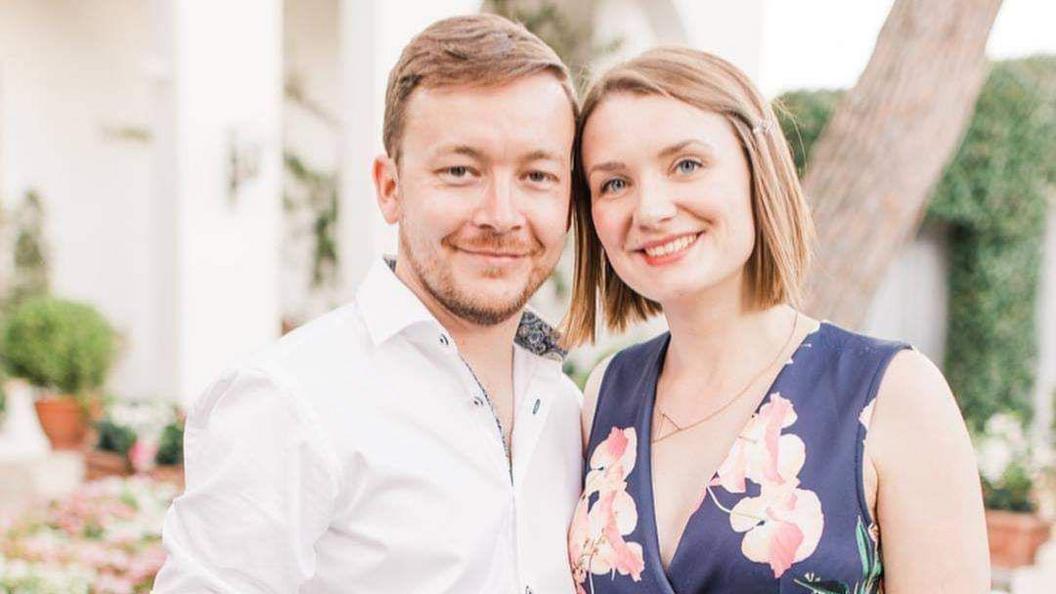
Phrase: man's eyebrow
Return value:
(459, 149)
(542, 155)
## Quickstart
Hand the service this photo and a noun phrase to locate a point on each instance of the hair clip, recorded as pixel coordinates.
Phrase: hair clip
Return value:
(764, 127)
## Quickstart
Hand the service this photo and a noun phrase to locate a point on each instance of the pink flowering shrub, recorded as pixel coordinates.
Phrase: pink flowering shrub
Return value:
(103, 539)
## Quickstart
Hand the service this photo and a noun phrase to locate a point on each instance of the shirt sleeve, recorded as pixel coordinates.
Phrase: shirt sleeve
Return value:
(260, 489)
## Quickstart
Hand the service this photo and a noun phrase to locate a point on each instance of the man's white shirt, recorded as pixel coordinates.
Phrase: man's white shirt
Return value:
(359, 454)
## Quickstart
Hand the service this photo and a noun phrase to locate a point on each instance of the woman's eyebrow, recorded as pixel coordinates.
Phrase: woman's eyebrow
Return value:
(673, 149)
(607, 166)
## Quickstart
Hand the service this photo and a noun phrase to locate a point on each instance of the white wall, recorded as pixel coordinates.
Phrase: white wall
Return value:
(73, 79)
(124, 115)
(911, 302)
(1045, 386)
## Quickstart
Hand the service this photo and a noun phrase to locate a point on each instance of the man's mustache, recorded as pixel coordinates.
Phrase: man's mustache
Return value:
(496, 243)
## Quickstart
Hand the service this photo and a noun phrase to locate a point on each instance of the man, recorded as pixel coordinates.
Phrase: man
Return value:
(422, 438)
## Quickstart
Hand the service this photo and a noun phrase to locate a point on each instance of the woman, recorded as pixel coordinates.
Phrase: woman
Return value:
(729, 455)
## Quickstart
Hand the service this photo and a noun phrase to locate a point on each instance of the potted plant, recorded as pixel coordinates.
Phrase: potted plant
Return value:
(110, 455)
(1009, 470)
(169, 457)
(65, 350)
(141, 437)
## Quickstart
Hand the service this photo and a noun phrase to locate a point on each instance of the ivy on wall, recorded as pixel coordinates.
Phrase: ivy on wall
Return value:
(317, 191)
(993, 199)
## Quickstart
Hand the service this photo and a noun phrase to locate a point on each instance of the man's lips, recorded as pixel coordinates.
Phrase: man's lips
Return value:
(493, 254)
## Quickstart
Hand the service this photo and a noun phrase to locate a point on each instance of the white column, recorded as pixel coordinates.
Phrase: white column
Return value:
(218, 191)
(362, 109)
(1045, 380)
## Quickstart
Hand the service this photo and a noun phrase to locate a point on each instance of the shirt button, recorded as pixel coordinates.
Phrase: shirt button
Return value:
(444, 340)
(535, 407)
(478, 402)
(527, 590)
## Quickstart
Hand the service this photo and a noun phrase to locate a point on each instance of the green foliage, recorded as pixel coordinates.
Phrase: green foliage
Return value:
(170, 449)
(317, 191)
(31, 276)
(991, 344)
(59, 345)
(994, 194)
(997, 182)
(803, 115)
(1013, 492)
(993, 198)
(114, 438)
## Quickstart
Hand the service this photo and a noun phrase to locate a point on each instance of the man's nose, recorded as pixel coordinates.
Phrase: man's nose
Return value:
(499, 207)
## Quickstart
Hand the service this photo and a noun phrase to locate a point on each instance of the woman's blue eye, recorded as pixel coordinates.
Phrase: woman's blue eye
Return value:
(613, 185)
(687, 166)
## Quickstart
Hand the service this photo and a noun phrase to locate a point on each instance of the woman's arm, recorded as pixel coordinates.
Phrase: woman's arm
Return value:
(929, 502)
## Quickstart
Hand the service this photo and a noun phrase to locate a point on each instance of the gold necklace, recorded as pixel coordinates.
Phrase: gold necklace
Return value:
(728, 403)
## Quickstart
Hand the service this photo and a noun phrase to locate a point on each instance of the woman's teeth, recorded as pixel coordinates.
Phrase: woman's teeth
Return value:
(670, 247)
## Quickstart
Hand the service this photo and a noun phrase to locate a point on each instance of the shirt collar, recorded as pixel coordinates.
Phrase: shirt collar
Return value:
(389, 307)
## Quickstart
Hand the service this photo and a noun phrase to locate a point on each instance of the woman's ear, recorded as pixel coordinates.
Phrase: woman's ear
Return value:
(387, 188)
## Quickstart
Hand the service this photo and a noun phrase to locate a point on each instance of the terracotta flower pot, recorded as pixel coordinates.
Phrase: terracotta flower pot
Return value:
(99, 464)
(168, 473)
(1015, 537)
(63, 421)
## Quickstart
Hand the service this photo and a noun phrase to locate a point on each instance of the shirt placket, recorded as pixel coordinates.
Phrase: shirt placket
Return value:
(481, 398)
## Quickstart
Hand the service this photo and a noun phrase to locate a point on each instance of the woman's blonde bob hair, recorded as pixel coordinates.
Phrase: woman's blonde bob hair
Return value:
(783, 227)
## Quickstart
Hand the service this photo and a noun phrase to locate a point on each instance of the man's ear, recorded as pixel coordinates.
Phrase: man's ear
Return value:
(387, 188)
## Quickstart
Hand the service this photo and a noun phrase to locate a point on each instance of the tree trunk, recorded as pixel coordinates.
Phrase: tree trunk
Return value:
(873, 168)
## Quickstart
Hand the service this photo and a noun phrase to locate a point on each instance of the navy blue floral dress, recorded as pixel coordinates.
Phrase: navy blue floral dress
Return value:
(785, 511)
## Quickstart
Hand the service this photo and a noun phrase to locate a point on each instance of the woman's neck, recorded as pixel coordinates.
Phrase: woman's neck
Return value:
(717, 340)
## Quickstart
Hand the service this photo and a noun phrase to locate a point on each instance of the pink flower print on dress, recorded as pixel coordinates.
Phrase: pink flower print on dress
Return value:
(761, 453)
(783, 525)
(596, 537)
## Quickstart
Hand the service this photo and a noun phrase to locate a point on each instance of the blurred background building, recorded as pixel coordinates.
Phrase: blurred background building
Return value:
(191, 157)
(202, 168)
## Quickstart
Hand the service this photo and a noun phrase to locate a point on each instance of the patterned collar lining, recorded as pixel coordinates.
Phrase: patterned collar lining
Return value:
(533, 334)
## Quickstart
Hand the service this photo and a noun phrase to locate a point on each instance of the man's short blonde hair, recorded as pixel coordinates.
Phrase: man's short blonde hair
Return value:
(784, 230)
(479, 50)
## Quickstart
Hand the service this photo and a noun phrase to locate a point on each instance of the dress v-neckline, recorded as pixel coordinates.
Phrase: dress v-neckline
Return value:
(651, 537)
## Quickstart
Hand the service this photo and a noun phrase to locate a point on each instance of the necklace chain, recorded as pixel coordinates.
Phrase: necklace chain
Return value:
(680, 428)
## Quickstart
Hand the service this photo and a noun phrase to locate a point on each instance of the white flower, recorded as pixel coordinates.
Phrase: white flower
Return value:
(1002, 444)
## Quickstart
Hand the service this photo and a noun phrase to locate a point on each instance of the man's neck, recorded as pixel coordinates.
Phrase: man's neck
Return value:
(487, 348)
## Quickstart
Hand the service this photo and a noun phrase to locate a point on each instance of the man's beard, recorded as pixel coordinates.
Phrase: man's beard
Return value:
(435, 277)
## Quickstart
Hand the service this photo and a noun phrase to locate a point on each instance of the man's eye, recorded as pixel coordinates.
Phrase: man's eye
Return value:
(457, 171)
(613, 185)
(539, 177)
(687, 166)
